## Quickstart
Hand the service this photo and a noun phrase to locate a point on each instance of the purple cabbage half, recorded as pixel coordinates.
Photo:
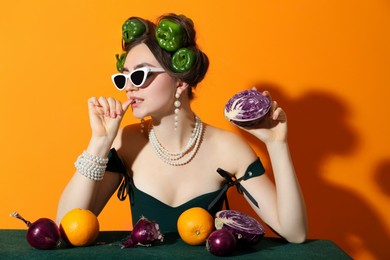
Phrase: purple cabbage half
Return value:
(247, 108)
(247, 230)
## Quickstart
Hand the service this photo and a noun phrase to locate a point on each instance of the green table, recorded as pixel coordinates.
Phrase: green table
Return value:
(13, 245)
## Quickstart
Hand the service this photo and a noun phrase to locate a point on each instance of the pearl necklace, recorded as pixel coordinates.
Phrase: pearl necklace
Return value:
(189, 151)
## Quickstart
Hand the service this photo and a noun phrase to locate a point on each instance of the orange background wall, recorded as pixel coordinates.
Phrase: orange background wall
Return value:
(326, 62)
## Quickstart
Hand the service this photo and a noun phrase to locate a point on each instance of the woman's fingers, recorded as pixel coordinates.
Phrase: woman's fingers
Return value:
(95, 106)
(267, 94)
(279, 115)
(92, 102)
(274, 107)
(126, 105)
(104, 104)
(110, 107)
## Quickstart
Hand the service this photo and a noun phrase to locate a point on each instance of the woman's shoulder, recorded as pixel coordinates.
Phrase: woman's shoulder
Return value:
(216, 134)
(227, 140)
(231, 148)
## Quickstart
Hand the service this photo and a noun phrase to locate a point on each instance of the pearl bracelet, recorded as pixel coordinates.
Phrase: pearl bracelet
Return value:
(90, 166)
(94, 158)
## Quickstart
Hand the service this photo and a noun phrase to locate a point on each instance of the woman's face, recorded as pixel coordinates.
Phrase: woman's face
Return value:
(156, 97)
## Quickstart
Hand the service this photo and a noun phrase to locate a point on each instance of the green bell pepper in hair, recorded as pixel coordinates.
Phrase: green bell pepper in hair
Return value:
(131, 29)
(120, 61)
(169, 35)
(183, 60)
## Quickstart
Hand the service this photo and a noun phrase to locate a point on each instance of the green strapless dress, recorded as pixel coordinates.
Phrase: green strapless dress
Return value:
(142, 204)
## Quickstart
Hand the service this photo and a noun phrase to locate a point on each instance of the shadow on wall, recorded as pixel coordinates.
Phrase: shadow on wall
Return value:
(382, 176)
(317, 130)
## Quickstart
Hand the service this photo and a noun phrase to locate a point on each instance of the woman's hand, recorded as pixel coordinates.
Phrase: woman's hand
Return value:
(274, 125)
(105, 116)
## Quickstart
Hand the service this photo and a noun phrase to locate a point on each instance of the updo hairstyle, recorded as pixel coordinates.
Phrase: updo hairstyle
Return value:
(197, 72)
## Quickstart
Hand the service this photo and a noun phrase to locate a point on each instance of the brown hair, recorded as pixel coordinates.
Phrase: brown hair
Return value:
(198, 71)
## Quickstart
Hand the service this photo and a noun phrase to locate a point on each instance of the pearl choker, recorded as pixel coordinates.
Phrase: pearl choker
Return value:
(187, 154)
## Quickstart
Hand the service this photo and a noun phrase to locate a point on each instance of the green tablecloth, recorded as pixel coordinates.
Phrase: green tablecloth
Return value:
(13, 245)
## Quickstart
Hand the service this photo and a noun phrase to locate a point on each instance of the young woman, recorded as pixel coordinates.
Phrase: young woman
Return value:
(169, 163)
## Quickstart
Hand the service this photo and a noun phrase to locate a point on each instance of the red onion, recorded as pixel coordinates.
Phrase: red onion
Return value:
(42, 234)
(221, 242)
(247, 108)
(144, 233)
(247, 230)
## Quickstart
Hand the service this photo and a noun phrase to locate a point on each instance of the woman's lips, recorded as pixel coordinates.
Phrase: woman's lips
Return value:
(136, 102)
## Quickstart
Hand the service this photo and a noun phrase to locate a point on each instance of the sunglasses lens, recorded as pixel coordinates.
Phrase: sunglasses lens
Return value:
(137, 77)
(120, 81)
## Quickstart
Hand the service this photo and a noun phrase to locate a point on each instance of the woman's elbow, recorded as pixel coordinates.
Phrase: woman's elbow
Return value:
(297, 237)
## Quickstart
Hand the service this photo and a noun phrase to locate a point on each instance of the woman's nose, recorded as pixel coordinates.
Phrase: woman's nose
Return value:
(129, 86)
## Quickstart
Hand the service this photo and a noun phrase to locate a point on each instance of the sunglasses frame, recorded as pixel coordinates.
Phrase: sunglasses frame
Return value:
(127, 76)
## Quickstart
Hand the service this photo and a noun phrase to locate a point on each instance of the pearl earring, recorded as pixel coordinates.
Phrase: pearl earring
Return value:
(177, 109)
(142, 125)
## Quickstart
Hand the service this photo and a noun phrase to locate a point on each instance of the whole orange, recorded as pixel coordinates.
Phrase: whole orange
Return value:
(79, 227)
(195, 225)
